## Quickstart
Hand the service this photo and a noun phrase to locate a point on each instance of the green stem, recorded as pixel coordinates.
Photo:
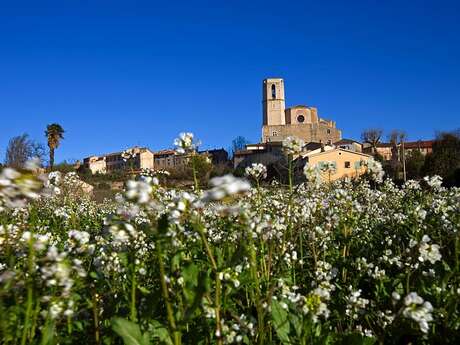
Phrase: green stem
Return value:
(30, 291)
(255, 277)
(133, 295)
(95, 317)
(165, 293)
(217, 300)
(35, 318)
(195, 179)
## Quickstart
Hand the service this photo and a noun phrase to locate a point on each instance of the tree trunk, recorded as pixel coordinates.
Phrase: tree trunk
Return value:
(51, 158)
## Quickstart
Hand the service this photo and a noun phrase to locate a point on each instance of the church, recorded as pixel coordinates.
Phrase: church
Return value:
(300, 121)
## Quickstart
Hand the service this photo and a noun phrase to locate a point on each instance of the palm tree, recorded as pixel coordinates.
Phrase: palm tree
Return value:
(54, 133)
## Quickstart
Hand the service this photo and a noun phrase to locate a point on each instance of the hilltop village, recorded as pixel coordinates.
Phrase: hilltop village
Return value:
(323, 143)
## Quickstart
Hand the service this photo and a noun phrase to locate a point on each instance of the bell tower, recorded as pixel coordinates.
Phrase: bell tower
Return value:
(273, 102)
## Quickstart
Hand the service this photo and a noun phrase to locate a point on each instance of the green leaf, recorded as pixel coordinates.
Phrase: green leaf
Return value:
(161, 333)
(280, 322)
(296, 322)
(48, 334)
(130, 332)
(198, 293)
(144, 290)
(175, 261)
(190, 274)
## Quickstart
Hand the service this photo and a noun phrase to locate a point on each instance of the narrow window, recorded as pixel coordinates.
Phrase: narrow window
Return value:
(273, 91)
(328, 131)
(347, 165)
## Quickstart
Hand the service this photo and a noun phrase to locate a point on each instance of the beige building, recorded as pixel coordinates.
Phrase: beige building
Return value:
(346, 163)
(390, 151)
(170, 160)
(300, 121)
(140, 158)
(385, 150)
(423, 146)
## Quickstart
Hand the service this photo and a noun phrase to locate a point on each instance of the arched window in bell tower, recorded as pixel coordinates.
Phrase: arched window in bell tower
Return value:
(273, 91)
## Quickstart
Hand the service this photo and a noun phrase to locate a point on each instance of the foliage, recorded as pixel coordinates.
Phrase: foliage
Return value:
(64, 167)
(21, 149)
(414, 164)
(347, 262)
(445, 158)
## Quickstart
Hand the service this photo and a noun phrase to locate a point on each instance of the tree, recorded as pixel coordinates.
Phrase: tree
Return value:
(21, 149)
(239, 143)
(397, 139)
(372, 136)
(414, 164)
(54, 133)
(445, 158)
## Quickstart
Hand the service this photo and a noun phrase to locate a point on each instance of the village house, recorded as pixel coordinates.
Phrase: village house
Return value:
(139, 158)
(264, 153)
(217, 156)
(170, 160)
(349, 144)
(390, 151)
(423, 146)
(385, 150)
(347, 164)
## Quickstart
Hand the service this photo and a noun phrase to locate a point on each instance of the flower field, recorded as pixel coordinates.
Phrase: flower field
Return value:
(349, 262)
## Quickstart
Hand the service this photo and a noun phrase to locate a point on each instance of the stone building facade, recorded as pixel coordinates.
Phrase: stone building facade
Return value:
(217, 156)
(264, 153)
(170, 160)
(142, 159)
(301, 121)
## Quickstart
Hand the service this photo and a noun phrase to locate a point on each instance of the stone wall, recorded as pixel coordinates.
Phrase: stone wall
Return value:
(309, 132)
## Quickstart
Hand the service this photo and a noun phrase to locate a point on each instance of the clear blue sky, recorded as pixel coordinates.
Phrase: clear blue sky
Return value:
(123, 73)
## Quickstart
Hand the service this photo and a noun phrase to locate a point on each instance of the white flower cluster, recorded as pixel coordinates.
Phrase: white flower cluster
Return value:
(428, 252)
(293, 145)
(128, 154)
(328, 167)
(229, 275)
(223, 186)
(312, 174)
(140, 191)
(257, 171)
(185, 143)
(57, 184)
(418, 310)
(236, 331)
(79, 242)
(434, 182)
(375, 170)
(53, 181)
(148, 172)
(355, 303)
(16, 188)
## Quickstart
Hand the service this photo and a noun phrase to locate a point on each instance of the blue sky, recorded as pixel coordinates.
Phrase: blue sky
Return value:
(122, 73)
